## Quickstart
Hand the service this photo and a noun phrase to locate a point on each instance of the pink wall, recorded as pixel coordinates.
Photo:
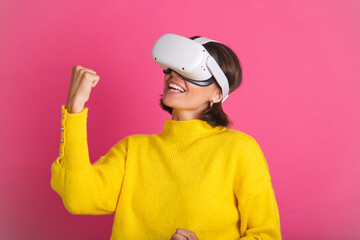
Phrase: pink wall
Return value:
(299, 99)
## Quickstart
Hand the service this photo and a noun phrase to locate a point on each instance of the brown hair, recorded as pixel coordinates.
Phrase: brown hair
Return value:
(230, 64)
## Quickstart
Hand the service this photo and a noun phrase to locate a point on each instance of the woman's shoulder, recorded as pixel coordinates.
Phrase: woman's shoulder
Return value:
(243, 141)
(237, 135)
(252, 158)
(132, 140)
(138, 137)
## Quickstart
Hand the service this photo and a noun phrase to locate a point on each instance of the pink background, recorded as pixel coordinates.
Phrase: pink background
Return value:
(299, 99)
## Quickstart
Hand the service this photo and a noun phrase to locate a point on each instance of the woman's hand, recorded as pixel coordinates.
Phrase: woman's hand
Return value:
(82, 81)
(183, 234)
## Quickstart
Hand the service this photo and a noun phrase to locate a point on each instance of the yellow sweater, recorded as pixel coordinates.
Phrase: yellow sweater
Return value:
(212, 181)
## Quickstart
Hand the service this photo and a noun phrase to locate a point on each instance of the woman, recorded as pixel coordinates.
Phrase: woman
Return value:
(196, 179)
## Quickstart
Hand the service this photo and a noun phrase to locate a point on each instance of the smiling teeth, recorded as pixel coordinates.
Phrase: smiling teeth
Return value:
(176, 87)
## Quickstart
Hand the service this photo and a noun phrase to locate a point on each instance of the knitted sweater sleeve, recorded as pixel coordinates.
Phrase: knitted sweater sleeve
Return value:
(256, 198)
(86, 188)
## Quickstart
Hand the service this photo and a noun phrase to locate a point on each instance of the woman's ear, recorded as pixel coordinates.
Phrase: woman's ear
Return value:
(217, 97)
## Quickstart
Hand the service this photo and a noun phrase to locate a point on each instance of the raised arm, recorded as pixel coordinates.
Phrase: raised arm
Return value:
(86, 188)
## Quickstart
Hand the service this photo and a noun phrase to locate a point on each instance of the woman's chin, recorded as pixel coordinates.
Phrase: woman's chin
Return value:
(168, 102)
(171, 101)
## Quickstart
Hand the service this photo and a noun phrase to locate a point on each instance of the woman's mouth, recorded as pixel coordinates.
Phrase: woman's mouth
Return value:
(175, 89)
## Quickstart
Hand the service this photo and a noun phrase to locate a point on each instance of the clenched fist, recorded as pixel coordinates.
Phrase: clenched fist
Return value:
(82, 81)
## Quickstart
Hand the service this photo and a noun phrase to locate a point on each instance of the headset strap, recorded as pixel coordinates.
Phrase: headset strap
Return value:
(203, 40)
(215, 69)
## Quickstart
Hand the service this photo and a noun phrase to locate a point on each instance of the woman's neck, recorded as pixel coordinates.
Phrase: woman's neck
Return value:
(185, 114)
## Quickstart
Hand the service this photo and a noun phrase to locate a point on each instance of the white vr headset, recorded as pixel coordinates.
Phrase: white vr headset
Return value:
(190, 60)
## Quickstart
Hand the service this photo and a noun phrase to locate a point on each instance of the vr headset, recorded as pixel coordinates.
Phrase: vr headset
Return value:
(190, 60)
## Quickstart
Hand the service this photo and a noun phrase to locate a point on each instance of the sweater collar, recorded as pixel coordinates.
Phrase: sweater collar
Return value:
(188, 129)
